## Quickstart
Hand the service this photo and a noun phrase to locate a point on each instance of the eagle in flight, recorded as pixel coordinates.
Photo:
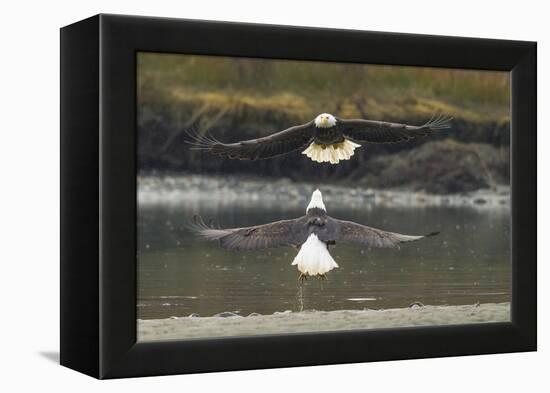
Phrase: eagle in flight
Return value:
(313, 233)
(325, 139)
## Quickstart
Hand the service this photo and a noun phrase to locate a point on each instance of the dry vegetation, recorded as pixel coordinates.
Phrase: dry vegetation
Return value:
(301, 90)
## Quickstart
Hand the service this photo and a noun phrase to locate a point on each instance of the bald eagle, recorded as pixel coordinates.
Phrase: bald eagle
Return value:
(325, 139)
(313, 233)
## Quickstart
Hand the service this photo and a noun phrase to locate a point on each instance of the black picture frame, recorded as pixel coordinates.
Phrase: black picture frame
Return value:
(98, 196)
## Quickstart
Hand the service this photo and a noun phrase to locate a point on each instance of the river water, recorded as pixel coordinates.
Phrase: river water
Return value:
(180, 274)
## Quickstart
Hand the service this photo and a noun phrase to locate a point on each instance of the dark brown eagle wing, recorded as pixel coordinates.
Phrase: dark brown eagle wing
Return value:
(275, 234)
(282, 142)
(372, 131)
(348, 231)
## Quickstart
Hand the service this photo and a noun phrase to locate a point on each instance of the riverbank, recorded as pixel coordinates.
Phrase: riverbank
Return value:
(229, 324)
(234, 190)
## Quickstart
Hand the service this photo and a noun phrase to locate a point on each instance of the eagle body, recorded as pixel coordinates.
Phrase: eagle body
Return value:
(325, 139)
(328, 135)
(314, 258)
(329, 143)
(312, 233)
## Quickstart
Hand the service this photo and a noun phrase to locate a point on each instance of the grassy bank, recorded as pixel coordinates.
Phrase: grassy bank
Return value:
(301, 90)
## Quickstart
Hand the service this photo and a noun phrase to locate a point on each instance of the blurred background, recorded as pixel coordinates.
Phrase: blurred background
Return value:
(455, 181)
(238, 98)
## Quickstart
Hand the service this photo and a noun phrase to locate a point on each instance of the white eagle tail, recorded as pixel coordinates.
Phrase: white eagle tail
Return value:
(331, 153)
(314, 258)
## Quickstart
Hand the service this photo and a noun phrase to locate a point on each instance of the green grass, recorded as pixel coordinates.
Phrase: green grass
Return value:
(299, 90)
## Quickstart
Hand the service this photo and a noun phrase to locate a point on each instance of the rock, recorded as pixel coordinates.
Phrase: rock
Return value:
(416, 305)
(226, 314)
(282, 312)
(254, 314)
(440, 167)
(194, 315)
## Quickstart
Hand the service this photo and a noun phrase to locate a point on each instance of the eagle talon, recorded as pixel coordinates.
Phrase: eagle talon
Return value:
(302, 278)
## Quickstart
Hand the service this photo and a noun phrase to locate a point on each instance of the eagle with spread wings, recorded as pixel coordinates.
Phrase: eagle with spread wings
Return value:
(325, 139)
(313, 233)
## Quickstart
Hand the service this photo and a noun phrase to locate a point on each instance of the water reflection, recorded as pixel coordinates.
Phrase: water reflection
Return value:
(180, 274)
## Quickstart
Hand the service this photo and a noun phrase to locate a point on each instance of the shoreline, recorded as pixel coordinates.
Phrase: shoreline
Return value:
(173, 189)
(288, 322)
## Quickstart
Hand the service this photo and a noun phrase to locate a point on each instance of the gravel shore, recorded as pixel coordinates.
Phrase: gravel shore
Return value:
(173, 190)
(228, 324)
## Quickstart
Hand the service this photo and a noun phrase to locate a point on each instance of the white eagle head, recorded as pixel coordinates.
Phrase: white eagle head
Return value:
(316, 201)
(325, 120)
